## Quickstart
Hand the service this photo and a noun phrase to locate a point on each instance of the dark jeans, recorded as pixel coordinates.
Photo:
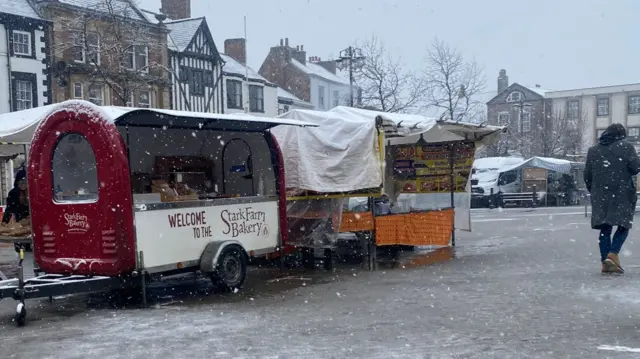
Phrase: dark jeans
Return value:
(607, 245)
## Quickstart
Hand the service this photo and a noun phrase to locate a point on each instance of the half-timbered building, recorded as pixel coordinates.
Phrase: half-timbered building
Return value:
(196, 67)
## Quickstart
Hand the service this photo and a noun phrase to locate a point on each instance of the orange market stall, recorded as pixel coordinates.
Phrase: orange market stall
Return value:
(417, 162)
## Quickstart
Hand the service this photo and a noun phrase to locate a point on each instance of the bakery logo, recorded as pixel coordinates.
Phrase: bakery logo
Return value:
(245, 221)
(76, 222)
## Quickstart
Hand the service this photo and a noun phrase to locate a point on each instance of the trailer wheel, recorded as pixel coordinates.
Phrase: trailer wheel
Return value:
(21, 315)
(231, 269)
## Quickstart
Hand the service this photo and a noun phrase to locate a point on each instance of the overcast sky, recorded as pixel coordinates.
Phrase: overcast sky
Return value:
(559, 44)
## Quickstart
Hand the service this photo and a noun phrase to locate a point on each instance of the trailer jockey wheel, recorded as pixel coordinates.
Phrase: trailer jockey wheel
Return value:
(231, 269)
(21, 315)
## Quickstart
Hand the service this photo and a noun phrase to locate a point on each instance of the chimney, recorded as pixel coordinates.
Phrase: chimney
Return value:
(176, 9)
(286, 41)
(235, 49)
(299, 54)
(330, 65)
(503, 80)
(281, 42)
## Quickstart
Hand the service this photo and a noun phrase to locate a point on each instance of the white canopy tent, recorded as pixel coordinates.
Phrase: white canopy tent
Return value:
(547, 163)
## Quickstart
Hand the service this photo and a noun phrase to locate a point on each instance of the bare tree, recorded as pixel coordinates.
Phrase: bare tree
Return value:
(454, 83)
(562, 136)
(384, 84)
(114, 44)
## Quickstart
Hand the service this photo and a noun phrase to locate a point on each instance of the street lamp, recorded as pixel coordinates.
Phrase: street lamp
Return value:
(348, 58)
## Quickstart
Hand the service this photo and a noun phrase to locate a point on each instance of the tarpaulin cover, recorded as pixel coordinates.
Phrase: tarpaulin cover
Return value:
(551, 164)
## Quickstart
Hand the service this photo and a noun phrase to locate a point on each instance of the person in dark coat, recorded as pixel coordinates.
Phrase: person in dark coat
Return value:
(17, 200)
(608, 172)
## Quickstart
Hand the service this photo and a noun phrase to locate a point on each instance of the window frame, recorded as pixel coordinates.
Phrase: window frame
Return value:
(503, 113)
(29, 43)
(238, 95)
(600, 113)
(197, 82)
(132, 53)
(256, 103)
(524, 120)
(321, 97)
(636, 108)
(17, 77)
(81, 97)
(635, 137)
(520, 96)
(91, 99)
(53, 173)
(571, 116)
(28, 91)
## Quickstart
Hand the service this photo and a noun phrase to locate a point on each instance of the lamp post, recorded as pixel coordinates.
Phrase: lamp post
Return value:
(348, 58)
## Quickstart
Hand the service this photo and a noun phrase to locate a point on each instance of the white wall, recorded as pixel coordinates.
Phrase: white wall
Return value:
(270, 98)
(34, 66)
(329, 88)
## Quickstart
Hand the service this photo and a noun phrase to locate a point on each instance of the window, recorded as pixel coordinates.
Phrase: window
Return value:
(507, 178)
(78, 90)
(96, 94)
(634, 104)
(78, 47)
(24, 95)
(86, 47)
(503, 118)
(93, 44)
(73, 168)
(321, 96)
(140, 98)
(573, 109)
(336, 98)
(21, 43)
(515, 96)
(234, 94)
(603, 106)
(283, 109)
(137, 58)
(633, 132)
(525, 121)
(184, 74)
(196, 86)
(256, 98)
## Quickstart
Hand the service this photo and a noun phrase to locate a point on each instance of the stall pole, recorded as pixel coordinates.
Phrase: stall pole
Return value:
(453, 205)
(371, 243)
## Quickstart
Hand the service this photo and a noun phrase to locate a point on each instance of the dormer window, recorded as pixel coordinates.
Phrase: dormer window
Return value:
(515, 96)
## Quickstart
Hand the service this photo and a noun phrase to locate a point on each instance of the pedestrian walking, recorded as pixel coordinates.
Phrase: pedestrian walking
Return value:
(609, 168)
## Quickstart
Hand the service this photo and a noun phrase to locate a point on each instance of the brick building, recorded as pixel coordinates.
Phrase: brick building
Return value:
(311, 80)
(107, 52)
(525, 111)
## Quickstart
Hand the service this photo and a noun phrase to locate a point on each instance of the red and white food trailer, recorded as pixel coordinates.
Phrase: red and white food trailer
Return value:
(104, 213)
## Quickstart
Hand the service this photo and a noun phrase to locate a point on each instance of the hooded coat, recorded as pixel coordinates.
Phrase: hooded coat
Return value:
(608, 175)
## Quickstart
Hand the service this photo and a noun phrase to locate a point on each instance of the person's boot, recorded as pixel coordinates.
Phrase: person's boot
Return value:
(613, 263)
(605, 268)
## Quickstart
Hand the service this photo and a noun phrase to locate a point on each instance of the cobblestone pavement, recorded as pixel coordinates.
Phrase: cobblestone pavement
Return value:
(524, 284)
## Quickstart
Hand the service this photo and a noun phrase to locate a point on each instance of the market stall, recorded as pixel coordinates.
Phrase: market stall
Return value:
(418, 163)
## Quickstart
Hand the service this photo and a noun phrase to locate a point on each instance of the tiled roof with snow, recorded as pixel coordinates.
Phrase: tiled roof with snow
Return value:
(233, 67)
(316, 70)
(18, 7)
(125, 8)
(538, 90)
(182, 32)
(282, 93)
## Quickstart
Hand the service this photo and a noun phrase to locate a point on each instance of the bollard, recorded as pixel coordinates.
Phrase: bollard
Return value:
(491, 199)
(534, 200)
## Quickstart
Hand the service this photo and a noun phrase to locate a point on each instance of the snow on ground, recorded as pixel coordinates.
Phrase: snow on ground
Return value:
(514, 289)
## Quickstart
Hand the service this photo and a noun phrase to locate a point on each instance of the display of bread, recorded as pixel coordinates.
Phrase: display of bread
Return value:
(16, 229)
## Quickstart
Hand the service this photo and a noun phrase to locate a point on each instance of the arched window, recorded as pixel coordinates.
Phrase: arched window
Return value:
(515, 96)
(73, 167)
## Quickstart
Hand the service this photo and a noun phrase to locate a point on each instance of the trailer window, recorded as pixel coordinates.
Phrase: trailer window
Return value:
(75, 177)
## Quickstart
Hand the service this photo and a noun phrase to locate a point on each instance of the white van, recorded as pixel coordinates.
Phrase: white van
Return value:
(488, 177)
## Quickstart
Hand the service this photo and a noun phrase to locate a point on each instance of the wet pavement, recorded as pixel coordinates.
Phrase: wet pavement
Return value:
(524, 284)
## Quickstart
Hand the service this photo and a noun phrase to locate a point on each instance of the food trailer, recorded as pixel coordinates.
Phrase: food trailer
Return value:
(120, 196)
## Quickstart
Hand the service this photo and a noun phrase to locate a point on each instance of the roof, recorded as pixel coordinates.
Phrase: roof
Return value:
(233, 67)
(19, 8)
(538, 90)
(517, 87)
(593, 91)
(182, 32)
(124, 8)
(18, 127)
(316, 70)
(284, 94)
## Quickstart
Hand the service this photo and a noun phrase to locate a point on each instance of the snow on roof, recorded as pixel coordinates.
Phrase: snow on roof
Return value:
(18, 7)
(316, 70)
(123, 8)
(232, 66)
(496, 162)
(182, 32)
(538, 90)
(282, 93)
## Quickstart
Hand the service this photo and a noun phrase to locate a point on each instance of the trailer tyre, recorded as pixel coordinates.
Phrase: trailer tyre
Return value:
(231, 269)
(21, 315)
